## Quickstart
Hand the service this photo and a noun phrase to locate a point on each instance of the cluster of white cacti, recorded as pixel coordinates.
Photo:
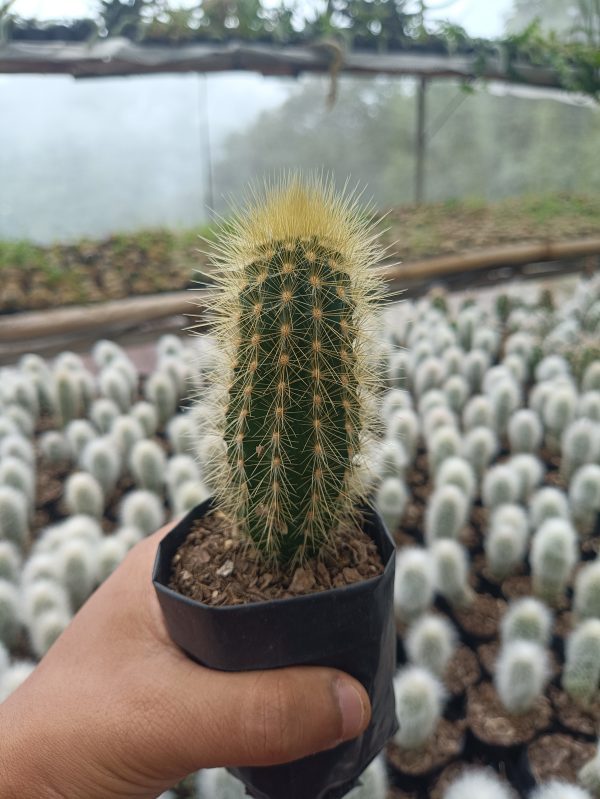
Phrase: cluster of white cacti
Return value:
(104, 437)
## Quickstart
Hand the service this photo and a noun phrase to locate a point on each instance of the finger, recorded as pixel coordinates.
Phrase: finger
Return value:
(263, 718)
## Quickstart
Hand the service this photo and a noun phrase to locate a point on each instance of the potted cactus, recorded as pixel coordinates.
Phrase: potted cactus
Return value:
(287, 564)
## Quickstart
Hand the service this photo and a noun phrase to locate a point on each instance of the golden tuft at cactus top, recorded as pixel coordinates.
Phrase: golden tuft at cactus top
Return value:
(296, 322)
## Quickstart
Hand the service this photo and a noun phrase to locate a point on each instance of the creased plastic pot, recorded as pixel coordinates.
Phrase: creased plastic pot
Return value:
(350, 628)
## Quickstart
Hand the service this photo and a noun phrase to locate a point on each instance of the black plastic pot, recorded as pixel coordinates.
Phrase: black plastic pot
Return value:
(350, 628)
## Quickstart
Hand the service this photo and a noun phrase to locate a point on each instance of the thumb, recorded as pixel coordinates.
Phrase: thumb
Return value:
(263, 718)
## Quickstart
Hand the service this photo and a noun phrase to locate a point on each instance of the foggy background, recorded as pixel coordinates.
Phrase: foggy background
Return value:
(92, 157)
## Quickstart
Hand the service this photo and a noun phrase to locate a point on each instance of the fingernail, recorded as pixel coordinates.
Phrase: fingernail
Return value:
(351, 707)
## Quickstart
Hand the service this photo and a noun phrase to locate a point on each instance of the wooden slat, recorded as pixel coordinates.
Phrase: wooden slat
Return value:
(118, 56)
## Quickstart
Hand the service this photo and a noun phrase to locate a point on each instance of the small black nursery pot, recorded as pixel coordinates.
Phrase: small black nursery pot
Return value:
(350, 628)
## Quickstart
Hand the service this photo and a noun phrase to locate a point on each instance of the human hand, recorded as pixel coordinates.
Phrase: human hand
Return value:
(115, 709)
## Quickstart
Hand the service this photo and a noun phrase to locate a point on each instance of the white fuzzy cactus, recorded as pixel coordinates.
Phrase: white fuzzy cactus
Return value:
(474, 366)
(142, 509)
(79, 433)
(126, 431)
(44, 594)
(478, 783)
(414, 582)
(558, 413)
(557, 789)
(45, 629)
(500, 486)
(7, 426)
(147, 415)
(23, 420)
(586, 602)
(446, 513)
(431, 373)
(457, 392)
(580, 444)
(403, 426)
(13, 515)
(105, 351)
(521, 674)
(83, 494)
(525, 431)
(114, 385)
(110, 553)
(553, 557)
(17, 446)
(188, 495)
(434, 398)
(130, 536)
(457, 471)
(147, 463)
(40, 566)
(103, 413)
(435, 418)
(487, 339)
(588, 406)
(82, 527)
(505, 397)
(581, 672)
(452, 568)
(505, 548)
(14, 677)
(54, 448)
(527, 619)
(218, 783)
(4, 661)
(160, 391)
(399, 369)
(76, 561)
(101, 459)
(209, 452)
(551, 367)
(394, 400)
(530, 473)
(10, 561)
(538, 397)
(591, 377)
(584, 496)
(548, 503)
(18, 474)
(478, 412)
(180, 469)
(445, 442)
(69, 398)
(430, 643)
(390, 500)
(9, 613)
(391, 459)
(373, 782)
(479, 447)
(517, 367)
(419, 703)
(180, 432)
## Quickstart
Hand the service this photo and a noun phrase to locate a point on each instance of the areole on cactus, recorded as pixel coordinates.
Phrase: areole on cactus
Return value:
(294, 320)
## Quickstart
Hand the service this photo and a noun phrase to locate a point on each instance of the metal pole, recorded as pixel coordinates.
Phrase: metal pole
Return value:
(420, 142)
(209, 194)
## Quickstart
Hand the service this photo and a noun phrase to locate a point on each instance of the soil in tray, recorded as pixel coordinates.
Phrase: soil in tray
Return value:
(491, 724)
(558, 757)
(480, 619)
(215, 566)
(444, 745)
(462, 671)
(584, 721)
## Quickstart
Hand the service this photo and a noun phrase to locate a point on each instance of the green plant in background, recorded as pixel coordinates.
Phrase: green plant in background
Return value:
(295, 319)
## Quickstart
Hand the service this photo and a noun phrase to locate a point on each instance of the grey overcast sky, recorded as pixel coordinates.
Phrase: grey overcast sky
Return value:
(479, 18)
